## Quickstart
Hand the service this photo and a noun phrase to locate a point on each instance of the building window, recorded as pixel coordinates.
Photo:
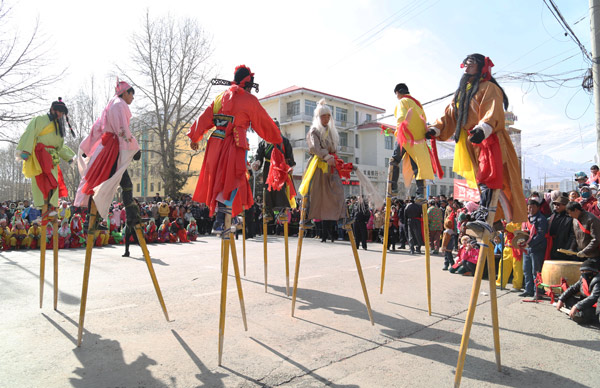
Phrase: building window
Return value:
(355, 117)
(356, 140)
(152, 187)
(341, 114)
(389, 142)
(159, 185)
(306, 129)
(309, 107)
(293, 108)
(357, 160)
(369, 117)
(343, 139)
(433, 190)
(137, 187)
(386, 162)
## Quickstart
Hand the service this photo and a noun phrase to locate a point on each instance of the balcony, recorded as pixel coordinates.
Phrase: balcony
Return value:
(297, 117)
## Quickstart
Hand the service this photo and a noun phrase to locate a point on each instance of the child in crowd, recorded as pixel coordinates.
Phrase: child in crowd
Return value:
(467, 257)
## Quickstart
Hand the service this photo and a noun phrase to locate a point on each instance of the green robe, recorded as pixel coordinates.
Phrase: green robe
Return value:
(27, 143)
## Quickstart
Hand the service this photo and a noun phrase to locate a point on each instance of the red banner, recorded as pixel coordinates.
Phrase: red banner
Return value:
(463, 192)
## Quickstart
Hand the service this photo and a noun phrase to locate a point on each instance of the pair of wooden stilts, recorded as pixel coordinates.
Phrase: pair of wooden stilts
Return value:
(486, 253)
(88, 259)
(283, 217)
(348, 228)
(45, 220)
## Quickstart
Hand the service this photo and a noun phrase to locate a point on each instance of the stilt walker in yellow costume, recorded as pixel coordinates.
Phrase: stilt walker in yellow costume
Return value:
(418, 161)
(104, 156)
(485, 156)
(322, 191)
(41, 147)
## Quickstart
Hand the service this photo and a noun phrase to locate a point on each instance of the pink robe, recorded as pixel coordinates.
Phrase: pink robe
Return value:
(114, 119)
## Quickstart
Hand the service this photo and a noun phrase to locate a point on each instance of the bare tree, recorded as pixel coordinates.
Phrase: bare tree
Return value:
(22, 79)
(171, 69)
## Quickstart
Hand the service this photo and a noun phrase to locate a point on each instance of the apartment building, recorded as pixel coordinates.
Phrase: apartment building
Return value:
(360, 139)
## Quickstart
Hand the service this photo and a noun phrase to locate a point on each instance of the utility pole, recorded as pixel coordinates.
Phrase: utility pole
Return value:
(595, 41)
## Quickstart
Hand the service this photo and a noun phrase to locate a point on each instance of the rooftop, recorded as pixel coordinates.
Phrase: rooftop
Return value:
(295, 89)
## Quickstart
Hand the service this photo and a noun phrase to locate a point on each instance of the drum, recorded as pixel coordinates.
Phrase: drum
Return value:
(553, 270)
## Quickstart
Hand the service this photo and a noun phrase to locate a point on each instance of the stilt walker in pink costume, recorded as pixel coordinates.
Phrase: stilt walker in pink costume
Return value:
(103, 160)
(223, 182)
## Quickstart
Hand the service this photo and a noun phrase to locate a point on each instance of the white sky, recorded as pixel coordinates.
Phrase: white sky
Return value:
(359, 50)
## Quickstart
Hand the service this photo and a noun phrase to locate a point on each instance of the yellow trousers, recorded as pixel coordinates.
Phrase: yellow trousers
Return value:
(511, 265)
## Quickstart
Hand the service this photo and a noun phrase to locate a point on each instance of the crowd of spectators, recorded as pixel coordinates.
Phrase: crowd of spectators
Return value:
(560, 226)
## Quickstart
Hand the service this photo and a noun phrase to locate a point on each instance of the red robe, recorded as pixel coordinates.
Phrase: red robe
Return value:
(224, 167)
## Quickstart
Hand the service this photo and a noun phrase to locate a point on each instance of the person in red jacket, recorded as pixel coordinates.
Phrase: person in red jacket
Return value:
(223, 176)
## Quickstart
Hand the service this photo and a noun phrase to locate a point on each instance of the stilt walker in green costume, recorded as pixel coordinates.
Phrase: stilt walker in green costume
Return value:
(41, 147)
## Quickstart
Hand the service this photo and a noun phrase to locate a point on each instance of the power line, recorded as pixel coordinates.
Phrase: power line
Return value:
(568, 31)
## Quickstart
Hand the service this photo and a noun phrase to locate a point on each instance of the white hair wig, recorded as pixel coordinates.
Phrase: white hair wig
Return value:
(320, 110)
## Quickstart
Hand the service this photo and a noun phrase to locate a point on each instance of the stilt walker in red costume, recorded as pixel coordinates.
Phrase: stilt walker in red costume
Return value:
(41, 147)
(485, 156)
(223, 183)
(322, 186)
(103, 160)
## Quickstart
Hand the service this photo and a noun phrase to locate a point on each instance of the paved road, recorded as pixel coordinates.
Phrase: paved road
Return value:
(128, 343)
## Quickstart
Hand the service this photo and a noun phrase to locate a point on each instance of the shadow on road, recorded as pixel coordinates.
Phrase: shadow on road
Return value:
(103, 364)
(306, 371)
(486, 371)
(206, 376)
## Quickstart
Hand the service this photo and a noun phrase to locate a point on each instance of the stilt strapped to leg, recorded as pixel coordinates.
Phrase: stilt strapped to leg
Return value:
(88, 259)
(386, 225)
(46, 218)
(244, 240)
(485, 253)
(265, 230)
(348, 228)
(227, 243)
(427, 256)
(283, 217)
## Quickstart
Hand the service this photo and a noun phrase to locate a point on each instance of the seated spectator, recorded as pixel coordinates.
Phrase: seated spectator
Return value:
(583, 309)
(34, 233)
(468, 254)
(192, 230)
(64, 234)
(594, 178)
(588, 202)
(151, 231)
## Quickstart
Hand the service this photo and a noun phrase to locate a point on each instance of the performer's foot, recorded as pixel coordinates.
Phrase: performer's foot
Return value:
(217, 228)
(526, 294)
(307, 224)
(476, 228)
(445, 267)
(420, 200)
(126, 254)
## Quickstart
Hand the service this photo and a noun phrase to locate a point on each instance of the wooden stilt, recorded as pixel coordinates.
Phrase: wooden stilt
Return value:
(86, 268)
(55, 249)
(427, 256)
(301, 230)
(348, 228)
(238, 281)
(43, 250)
(225, 267)
(265, 230)
(386, 226)
(286, 222)
(483, 252)
(142, 242)
(244, 240)
(494, 305)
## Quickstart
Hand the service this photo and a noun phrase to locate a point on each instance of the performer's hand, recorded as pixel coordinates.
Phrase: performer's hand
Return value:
(137, 155)
(476, 135)
(573, 311)
(194, 146)
(331, 162)
(84, 155)
(256, 165)
(580, 254)
(559, 305)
